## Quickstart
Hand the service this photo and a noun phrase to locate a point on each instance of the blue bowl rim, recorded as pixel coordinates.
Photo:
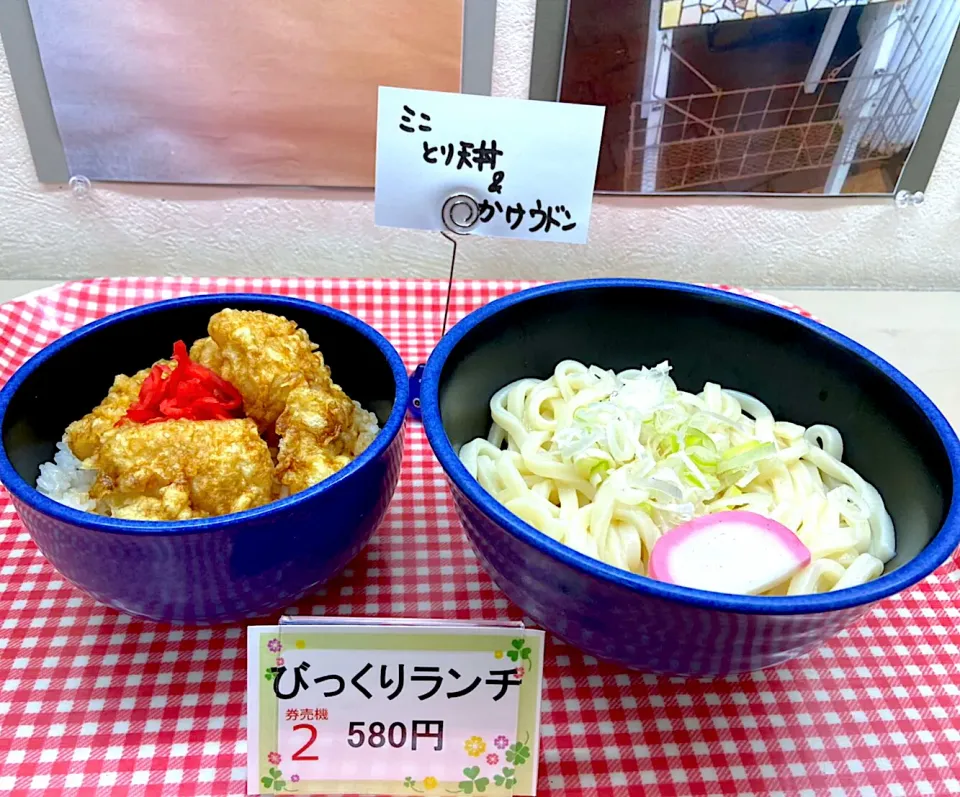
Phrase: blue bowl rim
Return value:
(930, 558)
(29, 495)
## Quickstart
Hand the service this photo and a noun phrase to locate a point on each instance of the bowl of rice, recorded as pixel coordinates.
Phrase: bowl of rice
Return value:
(593, 432)
(206, 459)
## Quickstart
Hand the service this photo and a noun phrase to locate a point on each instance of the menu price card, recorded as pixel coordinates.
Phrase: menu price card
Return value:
(530, 166)
(410, 708)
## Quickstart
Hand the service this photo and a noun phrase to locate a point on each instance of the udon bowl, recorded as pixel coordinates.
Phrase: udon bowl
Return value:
(806, 373)
(215, 570)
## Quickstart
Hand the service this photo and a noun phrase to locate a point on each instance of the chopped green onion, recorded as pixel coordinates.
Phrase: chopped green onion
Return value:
(744, 456)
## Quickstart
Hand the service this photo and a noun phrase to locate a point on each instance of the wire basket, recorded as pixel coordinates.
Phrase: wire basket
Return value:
(756, 133)
(738, 139)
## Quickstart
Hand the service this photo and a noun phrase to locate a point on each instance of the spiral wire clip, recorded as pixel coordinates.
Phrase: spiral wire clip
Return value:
(460, 214)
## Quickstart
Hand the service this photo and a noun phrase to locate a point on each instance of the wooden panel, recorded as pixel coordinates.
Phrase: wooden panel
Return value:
(219, 91)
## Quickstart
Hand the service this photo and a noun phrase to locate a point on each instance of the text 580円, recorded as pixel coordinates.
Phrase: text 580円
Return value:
(379, 734)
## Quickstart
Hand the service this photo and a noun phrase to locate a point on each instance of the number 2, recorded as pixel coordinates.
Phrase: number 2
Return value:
(298, 756)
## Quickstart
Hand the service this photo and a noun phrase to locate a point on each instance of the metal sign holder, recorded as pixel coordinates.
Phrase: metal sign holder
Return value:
(460, 214)
(458, 227)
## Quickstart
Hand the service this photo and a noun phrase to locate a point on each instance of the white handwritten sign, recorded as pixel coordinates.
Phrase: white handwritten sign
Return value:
(373, 709)
(530, 166)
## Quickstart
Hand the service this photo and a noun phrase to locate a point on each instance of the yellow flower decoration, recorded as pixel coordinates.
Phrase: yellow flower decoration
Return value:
(475, 746)
(498, 654)
(430, 783)
(300, 644)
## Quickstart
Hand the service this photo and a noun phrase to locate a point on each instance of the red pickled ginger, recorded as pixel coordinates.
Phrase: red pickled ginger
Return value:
(186, 390)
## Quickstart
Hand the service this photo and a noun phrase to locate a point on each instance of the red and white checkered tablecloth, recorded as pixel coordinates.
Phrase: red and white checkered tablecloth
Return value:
(94, 702)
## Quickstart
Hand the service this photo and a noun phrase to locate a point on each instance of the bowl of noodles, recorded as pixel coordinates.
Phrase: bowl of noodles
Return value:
(581, 425)
(205, 459)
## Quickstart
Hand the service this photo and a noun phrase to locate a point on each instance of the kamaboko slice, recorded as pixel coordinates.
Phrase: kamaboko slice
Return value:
(739, 553)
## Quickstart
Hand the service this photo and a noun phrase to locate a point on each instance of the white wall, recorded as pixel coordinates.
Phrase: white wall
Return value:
(48, 233)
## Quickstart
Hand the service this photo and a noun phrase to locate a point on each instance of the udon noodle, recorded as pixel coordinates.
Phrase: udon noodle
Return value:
(606, 463)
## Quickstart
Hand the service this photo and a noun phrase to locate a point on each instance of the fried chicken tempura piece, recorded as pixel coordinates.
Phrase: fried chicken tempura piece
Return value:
(182, 469)
(84, 435)
(264, 356)
(287, 390)
(317, 438)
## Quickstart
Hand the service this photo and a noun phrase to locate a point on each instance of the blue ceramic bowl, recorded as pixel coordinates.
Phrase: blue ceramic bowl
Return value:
(894, 436)
(215, 570)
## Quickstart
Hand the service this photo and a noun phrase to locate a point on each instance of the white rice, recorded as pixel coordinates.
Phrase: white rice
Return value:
(365, 422)
(66, 480)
